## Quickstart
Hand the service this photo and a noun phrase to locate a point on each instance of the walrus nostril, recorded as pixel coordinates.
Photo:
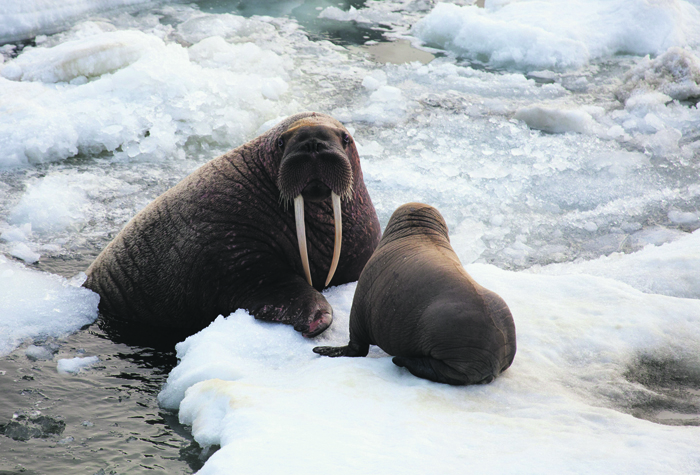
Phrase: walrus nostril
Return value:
(314, 146)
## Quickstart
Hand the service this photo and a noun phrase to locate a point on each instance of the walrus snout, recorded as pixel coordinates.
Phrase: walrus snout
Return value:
(298, 170)
(313, 146)
(314, 152)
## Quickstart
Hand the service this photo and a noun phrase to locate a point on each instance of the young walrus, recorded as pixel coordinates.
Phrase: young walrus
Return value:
(416, 302)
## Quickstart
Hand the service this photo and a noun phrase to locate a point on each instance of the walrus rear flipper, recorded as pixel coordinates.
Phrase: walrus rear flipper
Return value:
(435, 370)
(332, 351)
(352, 349)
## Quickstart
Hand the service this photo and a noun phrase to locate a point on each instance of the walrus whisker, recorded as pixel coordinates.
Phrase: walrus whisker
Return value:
(301, 236)
(338, 218)
(284, 201)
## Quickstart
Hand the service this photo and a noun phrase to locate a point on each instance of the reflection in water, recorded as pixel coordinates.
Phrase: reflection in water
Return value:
(108, 415)
(306, 13)
(395, 52)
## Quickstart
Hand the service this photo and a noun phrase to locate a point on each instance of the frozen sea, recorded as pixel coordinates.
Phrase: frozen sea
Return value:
(560, 141)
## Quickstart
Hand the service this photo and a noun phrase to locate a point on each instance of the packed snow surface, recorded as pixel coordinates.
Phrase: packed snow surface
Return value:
(82, 58)
(36, 352)
(258, 391)
(555, 121)
(668, 269)
(558, 139)
(211, 90)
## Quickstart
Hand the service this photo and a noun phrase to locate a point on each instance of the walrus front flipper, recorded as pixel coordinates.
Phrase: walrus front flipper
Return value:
(435, 370)
(352, 349)
(288, 299)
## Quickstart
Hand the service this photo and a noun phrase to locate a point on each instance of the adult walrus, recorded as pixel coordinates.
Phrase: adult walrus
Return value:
(416, 302)
(226, 237)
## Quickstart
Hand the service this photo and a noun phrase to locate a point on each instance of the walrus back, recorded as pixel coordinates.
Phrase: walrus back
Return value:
(497, 309)
(128, 273)
(468, 334)
(145, 274)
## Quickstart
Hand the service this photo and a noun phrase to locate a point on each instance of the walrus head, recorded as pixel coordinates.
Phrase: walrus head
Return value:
(314, 167)
(416, 218)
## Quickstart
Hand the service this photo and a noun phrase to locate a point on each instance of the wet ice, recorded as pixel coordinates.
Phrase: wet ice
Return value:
(535, 35)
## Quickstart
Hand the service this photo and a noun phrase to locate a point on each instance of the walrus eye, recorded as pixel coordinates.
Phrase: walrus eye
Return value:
(280, 142)
(346, 138)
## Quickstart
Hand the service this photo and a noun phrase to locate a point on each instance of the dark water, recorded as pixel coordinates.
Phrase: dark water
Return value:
(305, 12)
(104, 419)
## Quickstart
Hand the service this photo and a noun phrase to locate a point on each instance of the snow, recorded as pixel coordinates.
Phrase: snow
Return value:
(17, 233)
(566, 169)
(75, 365)
(82, 58)
(36, 304)
(536, 34)
(35, 352)
(54, 202)
(675, 73)
(54, 96)
(659, 268)
(21, 20)
(555, 121)
(258, 391)
(360, 16)
(680, 217)
(21, 251)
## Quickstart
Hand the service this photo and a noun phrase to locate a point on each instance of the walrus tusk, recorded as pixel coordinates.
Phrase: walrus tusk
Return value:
(301, 236)
(338, 219)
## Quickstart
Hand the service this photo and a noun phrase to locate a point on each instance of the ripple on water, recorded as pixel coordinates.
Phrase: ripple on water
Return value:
(104, 419)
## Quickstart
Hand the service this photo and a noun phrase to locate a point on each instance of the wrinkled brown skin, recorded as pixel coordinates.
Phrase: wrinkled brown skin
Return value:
(223, 239)
(416, 302)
